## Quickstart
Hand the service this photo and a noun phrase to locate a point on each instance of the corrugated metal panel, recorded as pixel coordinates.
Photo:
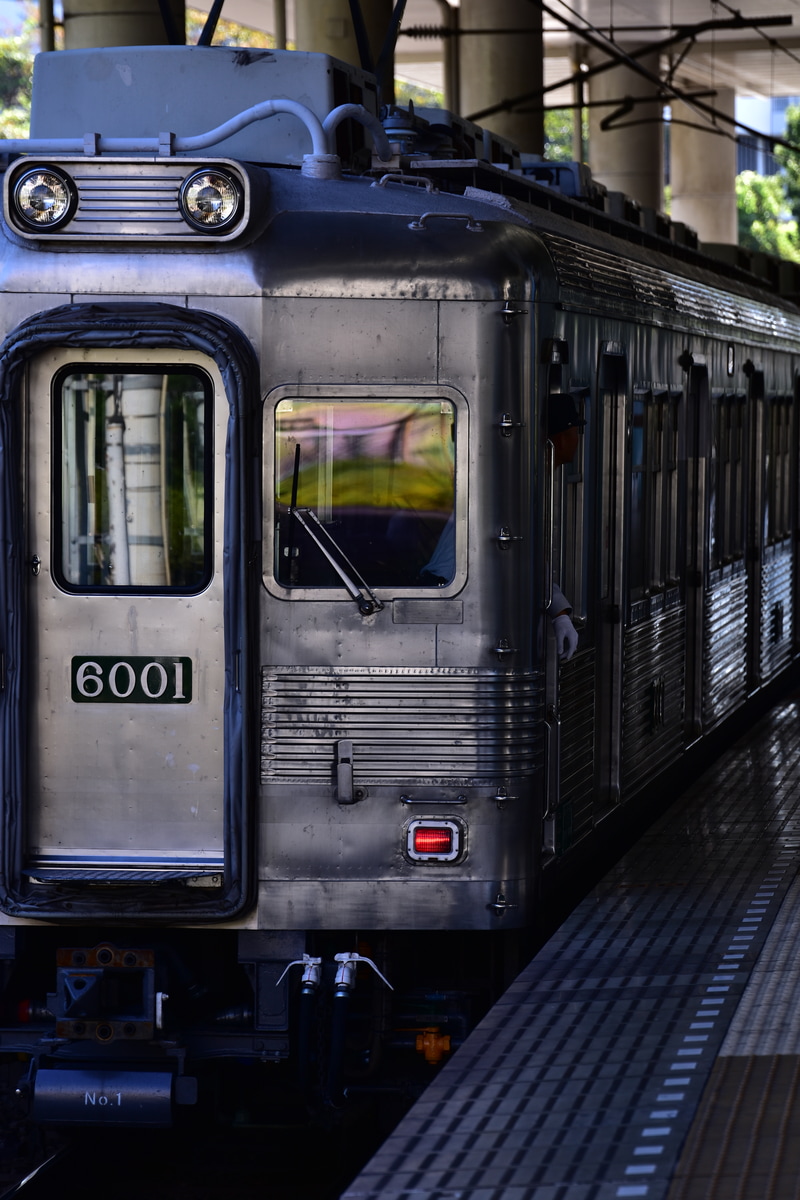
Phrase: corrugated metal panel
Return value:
(586, 269)
(704, 302)
(590, 273)
(776, 610)
(724, 642)
(574, 815)
(406, 724)
(655, 687)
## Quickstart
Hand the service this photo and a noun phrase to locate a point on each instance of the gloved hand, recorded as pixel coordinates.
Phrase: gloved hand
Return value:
(566, 636)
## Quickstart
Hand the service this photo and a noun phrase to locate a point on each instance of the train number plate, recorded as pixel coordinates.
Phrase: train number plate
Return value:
(132, 680)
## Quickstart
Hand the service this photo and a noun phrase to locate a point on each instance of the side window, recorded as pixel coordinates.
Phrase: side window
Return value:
(672, 526)
(575, 520)
(718, 467)
(778, 469)
(640, 543)
(728, 511)
(738, 493)
(379, 476)
(612, 387)
(133, 465)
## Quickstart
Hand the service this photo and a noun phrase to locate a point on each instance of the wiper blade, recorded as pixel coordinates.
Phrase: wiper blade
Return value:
(356, 585)
(360, 591)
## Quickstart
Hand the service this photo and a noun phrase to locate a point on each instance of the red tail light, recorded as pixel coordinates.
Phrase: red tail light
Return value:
(433, 841)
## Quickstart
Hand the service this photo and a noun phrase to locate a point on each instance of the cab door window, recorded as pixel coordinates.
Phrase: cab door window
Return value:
(133, 463)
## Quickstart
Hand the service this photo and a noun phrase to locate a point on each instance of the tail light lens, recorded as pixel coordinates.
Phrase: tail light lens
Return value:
(433, 841)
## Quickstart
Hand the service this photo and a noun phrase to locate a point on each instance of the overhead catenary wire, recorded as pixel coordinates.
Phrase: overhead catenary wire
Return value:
(593, 37)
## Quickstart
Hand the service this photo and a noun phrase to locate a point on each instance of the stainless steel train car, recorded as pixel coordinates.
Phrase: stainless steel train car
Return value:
(288, 748)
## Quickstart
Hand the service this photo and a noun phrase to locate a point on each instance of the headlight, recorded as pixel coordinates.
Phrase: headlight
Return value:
(211, 200)
(44, 198)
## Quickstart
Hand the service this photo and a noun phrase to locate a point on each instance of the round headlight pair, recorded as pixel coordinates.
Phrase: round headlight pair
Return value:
(211, 200)
(44, 198)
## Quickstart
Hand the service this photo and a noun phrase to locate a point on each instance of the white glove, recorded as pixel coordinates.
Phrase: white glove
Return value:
(566, 636)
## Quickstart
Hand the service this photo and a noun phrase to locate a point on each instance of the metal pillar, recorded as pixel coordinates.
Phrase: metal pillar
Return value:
(47, 34)
(279, 16)
(628, 157)
(703, 171)
(501, 63)
(90, 23)
(326, 27)
(450, 56)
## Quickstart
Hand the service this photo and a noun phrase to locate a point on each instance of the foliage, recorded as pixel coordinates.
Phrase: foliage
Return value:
(764, 222)
(558, 135)
(422, 97)
(227, 33)
(790, 160)
(16, 75)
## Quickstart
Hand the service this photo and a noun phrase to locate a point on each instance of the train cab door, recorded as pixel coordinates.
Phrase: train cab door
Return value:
(126, 658)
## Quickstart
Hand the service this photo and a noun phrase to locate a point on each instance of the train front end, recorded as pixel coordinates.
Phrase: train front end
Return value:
(272, 701)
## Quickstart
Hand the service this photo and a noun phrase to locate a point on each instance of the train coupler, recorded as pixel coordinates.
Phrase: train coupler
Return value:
(106, 994)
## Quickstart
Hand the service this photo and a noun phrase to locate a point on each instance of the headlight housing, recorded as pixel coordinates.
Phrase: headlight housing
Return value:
(211, 200)
(44, 198)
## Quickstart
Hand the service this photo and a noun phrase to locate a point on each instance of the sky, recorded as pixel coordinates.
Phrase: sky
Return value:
(12, 14)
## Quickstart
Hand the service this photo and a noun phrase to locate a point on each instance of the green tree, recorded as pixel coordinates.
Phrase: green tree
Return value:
(764, 220)
(558, 135)
(16, 71)
(16, 75)
(790, 160)
(227, 33)
(422, 97)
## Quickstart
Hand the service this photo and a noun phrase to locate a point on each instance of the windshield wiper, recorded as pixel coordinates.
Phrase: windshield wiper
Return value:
(354, 582)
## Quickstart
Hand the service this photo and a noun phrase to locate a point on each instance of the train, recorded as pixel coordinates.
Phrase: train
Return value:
(290, 749)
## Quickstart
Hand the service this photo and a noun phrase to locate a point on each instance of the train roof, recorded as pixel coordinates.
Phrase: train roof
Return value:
(509, 216)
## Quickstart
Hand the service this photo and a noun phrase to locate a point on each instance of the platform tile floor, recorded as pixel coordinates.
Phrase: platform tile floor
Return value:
(652, 1048)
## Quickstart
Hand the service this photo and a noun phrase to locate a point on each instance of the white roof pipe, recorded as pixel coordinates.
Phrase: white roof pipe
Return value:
(370, 122)
(320, 162)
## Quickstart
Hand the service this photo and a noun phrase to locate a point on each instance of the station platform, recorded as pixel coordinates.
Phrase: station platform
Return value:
(652, 1047)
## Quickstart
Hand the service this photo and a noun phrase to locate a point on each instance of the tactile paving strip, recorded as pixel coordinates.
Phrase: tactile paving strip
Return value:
(584, 1081)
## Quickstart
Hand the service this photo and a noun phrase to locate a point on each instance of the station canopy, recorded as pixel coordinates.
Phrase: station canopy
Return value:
(752, 47)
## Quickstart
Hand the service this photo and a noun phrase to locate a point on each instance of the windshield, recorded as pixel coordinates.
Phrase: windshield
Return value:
(379, 476)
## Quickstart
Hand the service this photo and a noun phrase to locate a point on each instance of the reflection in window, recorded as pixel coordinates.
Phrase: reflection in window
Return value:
(778, 515)
(654, 513)
(134, 460)
(672, 497)
(576, 518)
(379, 475)
(727, 497)
(640, 512)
